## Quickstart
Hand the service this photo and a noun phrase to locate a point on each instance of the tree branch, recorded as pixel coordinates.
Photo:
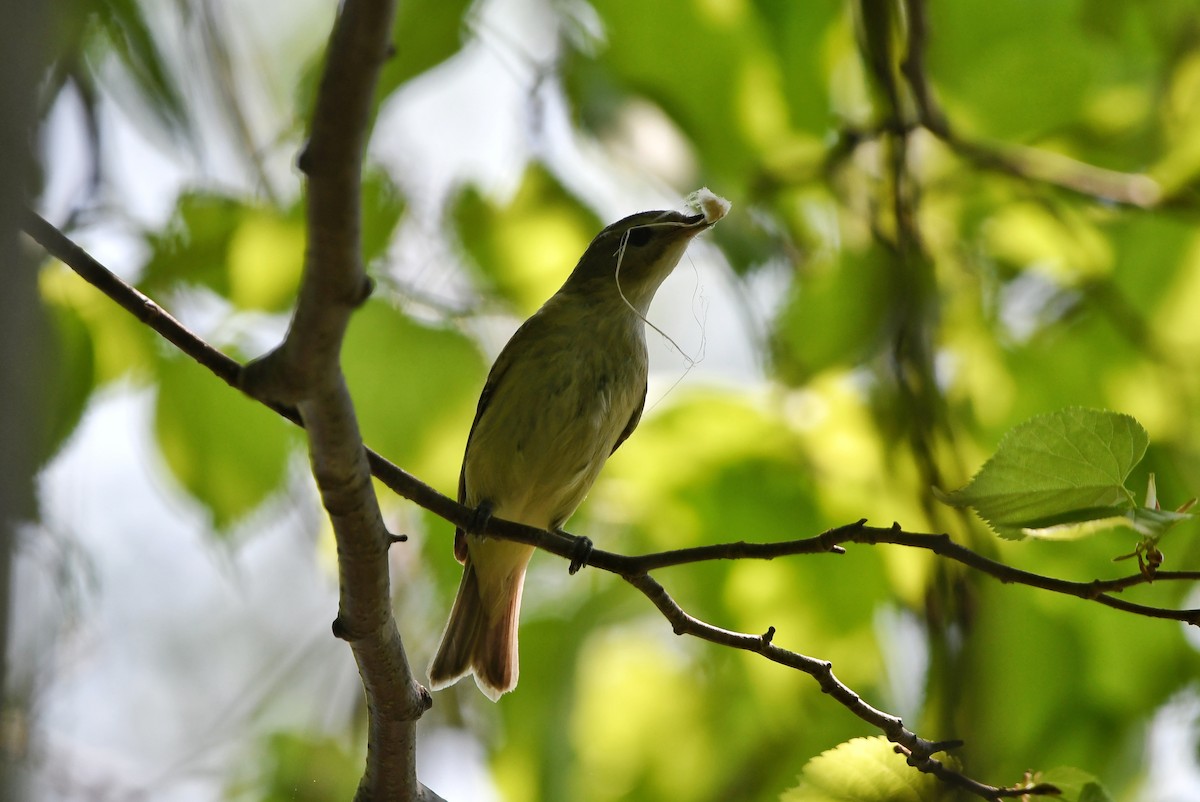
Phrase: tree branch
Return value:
(1022, 162)
(304, 372)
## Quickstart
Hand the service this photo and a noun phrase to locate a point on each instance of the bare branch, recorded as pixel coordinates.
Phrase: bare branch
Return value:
(304, 371)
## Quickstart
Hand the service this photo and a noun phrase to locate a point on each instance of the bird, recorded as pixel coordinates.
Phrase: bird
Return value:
(565, 392)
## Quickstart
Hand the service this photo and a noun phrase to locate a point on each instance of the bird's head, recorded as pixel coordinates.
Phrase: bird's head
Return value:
(633, 256)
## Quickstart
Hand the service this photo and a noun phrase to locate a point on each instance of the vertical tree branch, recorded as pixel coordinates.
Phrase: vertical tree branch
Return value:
(304, 371)
(26, 369)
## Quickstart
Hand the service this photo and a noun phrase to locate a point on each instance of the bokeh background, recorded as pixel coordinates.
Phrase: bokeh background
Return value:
(948, 216)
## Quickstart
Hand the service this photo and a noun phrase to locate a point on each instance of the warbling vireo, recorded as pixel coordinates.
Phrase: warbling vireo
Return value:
(565, 392)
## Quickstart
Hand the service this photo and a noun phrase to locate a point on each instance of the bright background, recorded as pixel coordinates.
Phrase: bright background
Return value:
(172, 602)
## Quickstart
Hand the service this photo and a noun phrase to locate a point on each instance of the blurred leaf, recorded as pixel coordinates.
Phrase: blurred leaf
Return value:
(999, 90)
(528, 248)
(74, 375)
(705, 64)
(382, 208)
(408, 379)
(865, 770)
(119, 344)
(193, 247)
(797, 33)
(1064, 467)
(837, 315)
(1064, 246)
(253, 254)
(305, 769)
(227, 451)
(1076, 785)
(425, 33)
(265, 260)
(125, 31)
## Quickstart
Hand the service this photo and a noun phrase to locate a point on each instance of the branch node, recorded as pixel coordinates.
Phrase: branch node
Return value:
(267, 379)
(767, 637)
(424, 698)
(367, 288)
(949, 745)
(304, 161)
(394, 539)
(342, 631)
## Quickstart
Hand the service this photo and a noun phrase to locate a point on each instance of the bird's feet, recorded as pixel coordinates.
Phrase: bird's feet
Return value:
(580, 554)
(480, 518)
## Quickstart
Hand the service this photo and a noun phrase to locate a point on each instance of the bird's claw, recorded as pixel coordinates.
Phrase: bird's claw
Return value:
(580, 554)
(481, 517)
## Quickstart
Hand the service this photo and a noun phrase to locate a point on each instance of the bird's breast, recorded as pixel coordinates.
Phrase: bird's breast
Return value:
(554, 418)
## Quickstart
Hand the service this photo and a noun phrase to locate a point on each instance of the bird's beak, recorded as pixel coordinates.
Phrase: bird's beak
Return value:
(693, 225)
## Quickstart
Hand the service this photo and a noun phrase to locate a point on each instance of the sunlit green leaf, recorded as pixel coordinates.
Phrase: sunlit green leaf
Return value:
(528, 248)
(1060, 468)
(193, 248)
(865, 770)
(1076, 785)
(227, 451)
(119, 344)
(265, 260)
(407, 379)
(308, 769)
(73, 373)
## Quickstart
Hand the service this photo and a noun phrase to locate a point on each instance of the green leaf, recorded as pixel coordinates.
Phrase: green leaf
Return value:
(253, 255)
(194, 245)
(382, 208)
(1062, 468)
(265, 260)
(300, 768)
(73, 373)
(817, 330)
(407, 379)
(1076, 785)
(708, 66)
(528, 248)
(865, 770)
(124, 26)
(426, 33)
(227, 451)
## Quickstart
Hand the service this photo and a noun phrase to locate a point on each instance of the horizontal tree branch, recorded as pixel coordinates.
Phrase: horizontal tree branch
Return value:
(635, 569)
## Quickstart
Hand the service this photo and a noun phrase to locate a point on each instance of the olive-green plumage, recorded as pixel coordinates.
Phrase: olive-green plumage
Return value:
(565, 392)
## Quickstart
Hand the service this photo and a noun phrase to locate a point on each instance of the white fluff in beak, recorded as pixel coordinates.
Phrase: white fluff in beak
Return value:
(712, 205)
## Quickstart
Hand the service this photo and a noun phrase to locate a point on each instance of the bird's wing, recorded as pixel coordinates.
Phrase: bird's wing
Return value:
(495, 376)
(634, 419)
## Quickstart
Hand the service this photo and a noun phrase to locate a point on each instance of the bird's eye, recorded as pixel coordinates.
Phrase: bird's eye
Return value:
(639, 236)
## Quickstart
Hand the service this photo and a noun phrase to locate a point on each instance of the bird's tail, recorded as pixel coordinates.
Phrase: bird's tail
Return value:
(481, 635)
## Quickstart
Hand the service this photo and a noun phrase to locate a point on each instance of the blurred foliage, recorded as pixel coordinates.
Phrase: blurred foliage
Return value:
(298, 769)
(864, 770)
(520, 250)
(966, 213)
